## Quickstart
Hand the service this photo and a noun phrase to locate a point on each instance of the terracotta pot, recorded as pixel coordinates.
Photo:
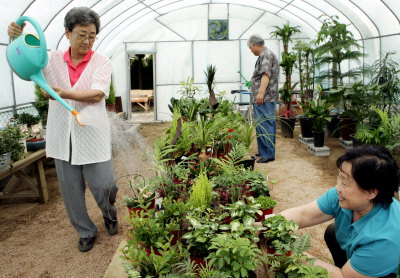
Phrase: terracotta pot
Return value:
(135, 211)
(261, 218)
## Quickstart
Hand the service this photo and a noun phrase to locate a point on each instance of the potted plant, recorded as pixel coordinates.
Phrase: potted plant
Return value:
(267, 205)
(279, 234)
(142, 195)
(387, 133)
(210, 75)
(237, 257)
(287, 116)
(10, 148)
(318, 111)
(335, 45)
(32, 142)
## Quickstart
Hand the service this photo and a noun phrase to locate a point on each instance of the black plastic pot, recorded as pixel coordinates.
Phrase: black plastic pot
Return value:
(319, 138)
(333, 127)
(287, 127)
(248, 163)
(347, 126)
(306, 127)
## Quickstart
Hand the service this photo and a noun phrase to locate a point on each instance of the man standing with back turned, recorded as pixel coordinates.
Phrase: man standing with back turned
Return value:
(264, 95)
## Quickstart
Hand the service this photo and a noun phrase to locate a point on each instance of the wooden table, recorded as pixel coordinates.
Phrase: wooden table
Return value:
(36, 189)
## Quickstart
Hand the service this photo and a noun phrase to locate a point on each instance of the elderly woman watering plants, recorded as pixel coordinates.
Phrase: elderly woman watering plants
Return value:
(82, 154)
(365, 238)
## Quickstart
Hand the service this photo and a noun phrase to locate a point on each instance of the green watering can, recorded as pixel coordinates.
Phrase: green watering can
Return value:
(27, 56)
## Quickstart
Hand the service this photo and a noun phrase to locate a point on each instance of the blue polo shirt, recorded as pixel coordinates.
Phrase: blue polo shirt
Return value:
(372, 243)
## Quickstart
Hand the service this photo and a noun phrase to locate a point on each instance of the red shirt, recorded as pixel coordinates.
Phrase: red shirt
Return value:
(75, 71)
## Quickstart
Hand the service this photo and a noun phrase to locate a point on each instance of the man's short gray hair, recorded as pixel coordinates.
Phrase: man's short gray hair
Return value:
(81, 16)
(255, 39)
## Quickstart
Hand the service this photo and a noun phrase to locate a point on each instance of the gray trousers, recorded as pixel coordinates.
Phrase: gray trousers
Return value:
(100, 179)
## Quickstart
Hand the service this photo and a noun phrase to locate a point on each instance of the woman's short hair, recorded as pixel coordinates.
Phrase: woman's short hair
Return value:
(255, 39)
(81, 16)
(373, 167)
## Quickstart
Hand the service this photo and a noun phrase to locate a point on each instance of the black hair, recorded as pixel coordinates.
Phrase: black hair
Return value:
(373, 167)
(81, 16)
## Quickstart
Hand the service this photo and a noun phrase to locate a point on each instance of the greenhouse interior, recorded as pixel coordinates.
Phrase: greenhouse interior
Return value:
(200, 138)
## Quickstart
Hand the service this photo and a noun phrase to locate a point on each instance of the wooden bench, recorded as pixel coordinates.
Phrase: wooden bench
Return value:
(142, 97)
(36, 190)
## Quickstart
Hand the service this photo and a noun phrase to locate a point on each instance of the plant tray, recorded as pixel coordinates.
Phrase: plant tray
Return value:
(319, 151)
(306, 140)
(347, 144)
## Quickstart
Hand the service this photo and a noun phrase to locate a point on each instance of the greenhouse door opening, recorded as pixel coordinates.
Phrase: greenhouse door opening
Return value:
(142, 88)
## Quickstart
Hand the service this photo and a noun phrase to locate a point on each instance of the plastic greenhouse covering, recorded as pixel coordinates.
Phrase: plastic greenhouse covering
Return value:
(176, 33)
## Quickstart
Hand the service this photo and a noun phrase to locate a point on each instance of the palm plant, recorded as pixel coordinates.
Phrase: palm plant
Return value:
(285, 33)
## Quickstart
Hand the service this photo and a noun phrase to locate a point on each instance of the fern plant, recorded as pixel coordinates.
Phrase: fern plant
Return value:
(201, 195)
(387, 133)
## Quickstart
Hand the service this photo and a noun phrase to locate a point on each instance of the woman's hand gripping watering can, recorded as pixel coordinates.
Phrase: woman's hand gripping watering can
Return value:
(27, 56)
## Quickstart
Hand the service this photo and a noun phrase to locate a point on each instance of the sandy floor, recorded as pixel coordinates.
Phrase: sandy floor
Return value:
(36, 240)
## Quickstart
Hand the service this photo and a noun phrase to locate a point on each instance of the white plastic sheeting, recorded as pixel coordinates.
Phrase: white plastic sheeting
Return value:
(176, 32)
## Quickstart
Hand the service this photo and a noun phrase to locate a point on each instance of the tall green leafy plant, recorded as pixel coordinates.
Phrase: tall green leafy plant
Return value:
(305, 64)
(386, 73)
(318, 111)
(335, 44)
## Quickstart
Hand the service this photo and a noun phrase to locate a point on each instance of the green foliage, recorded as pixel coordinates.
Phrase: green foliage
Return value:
(247, 134)
(285, 33)
(188, 107)
(305, 56)
(266, 202)
(234, 256)
(174, 211)
(387, 133)
(210, 75)
(288, 61)
(28, 119)
(9, 137)
(336, 44)
(142, 193)
(41, 104)
(111, 95)
(204, 225)
(280, 231)
(153, 265)
(318, 111)
(258, 183)
(354, 100)
(385, 73)
(149, 231)
(201, 195)
(243, 209)
(188, 89)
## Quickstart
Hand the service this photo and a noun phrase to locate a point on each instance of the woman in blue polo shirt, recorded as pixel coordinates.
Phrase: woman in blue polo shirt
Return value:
(365, 238)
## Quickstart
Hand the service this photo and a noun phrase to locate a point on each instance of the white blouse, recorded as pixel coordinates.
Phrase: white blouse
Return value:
(89, 144)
